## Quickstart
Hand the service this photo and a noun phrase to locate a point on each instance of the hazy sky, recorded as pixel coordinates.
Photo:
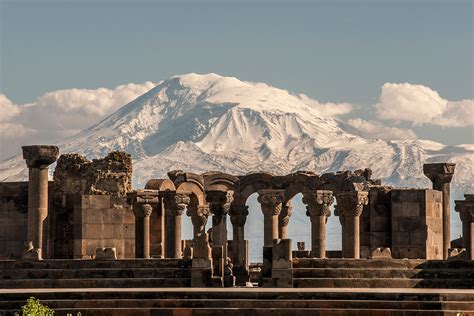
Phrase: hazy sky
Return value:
(338, 51)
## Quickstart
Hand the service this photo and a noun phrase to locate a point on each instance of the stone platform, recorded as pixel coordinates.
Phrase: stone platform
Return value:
(163, 287)
(245, 301)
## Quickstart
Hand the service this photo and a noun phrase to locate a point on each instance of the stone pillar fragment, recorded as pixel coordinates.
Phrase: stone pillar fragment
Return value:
(271, 203)
(38, 158)
(318, 206)
(175, 203)
(351, 204)
(282, 266)
(219, 205)
(465, 209)
(284, 220)
(440, 175)
(238, 217)
(199, 215)
(142, 201)
(201, 271)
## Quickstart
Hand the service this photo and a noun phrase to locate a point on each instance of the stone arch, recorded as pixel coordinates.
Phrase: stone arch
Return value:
(301, 182)
(215, 180)
(251, 183)
(160, 185)
(189, 182)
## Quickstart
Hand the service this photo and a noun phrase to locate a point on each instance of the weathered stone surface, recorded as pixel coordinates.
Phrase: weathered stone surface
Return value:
(107, 253)
(74, 174)
(417, 227)
(381, 253)
(40, 156)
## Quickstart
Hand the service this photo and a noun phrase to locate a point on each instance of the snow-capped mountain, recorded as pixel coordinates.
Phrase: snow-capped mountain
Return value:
(208, 122)
(200, 123)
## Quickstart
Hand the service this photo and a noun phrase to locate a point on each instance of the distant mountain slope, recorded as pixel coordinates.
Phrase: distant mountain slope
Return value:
(209, 122)
(200, 123)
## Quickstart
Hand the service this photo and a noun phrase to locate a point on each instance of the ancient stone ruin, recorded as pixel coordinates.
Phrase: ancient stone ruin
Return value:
(91, 212)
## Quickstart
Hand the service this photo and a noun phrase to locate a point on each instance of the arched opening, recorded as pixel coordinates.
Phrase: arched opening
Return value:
(254, 229)
(299, 225)
(333, 232)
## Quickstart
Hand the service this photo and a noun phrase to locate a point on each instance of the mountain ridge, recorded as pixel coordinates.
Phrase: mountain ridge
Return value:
(209, 122)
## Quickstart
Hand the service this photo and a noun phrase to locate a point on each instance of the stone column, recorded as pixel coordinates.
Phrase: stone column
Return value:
(440, 175)
(219, 204)
(284, 220)
(141, 201)
(466, 212)
(271, 203)
(38, 158)
(175, 204)
(318, 206)
(238, 216)
(351, 204)
(199, 215)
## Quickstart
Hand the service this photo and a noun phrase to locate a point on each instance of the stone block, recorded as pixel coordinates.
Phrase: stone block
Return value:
(106, 253)
(128, 231)
(99, 201)
(108, 231)
(92, 216)
(381, 253)
(282, 278)
(409, 209)
(281, 254)
(409, 224)
(401, 238)
(267, 262)
(92, 231)
(408, 252)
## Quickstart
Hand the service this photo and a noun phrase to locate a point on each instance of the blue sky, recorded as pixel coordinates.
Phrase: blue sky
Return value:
(338, 51)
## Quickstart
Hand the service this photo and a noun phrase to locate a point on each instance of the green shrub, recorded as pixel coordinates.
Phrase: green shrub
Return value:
(33, 307)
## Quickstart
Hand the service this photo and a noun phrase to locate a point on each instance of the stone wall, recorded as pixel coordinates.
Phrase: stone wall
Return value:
(103, 221)
(74, 174)
(376, 221)
(13, 218)
(417, 226)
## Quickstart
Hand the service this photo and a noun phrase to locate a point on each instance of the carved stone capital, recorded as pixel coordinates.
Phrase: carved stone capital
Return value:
(238, 214)
(175, 202)
(219, 201)
(40, 156)
(198, 214)
(142, 200)
(142, 210)
(439, 173)
(352, 203)
(318, 203)
(271, 201)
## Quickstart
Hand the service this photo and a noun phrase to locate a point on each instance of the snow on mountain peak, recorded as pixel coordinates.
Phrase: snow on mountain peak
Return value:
(208, 122)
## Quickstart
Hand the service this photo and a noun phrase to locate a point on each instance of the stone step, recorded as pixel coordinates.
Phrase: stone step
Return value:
(94, 273)
(301, 294)
(382, 264)
(255, 311)
(90, 264)
(219, 303)
(383, 283)
(383, 273)
(95, 283)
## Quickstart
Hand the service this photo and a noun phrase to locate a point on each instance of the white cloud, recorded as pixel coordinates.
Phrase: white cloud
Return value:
(373, 129)
(8, 110)
(329, 109)
(59, 114)
(419, 105)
